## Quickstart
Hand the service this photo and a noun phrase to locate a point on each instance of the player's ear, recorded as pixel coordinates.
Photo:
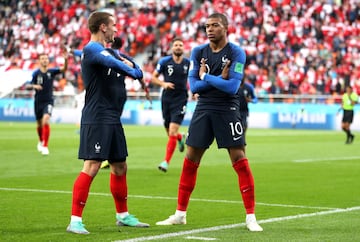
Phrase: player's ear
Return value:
(103, 27)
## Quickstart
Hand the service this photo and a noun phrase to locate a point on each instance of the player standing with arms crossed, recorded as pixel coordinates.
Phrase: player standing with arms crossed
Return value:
(174, 69)
(43, 83)
(101, 133)
(216, 116)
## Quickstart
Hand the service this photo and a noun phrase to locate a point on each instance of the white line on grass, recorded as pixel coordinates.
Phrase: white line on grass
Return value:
(230, 226)
(296, 133)
(328, 159)
(166, 198)
(199, 238)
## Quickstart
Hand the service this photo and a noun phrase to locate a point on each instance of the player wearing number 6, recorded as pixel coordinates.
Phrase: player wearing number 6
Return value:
(216, 70)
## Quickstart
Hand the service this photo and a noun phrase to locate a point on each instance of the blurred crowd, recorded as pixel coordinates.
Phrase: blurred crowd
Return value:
(293, 47)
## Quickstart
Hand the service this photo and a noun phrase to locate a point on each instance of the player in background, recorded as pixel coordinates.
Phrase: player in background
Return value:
(101, 133)
(115, 50)
(246, 96)
(349, 99)
(43, 83)
(174, 69)
(216, 116)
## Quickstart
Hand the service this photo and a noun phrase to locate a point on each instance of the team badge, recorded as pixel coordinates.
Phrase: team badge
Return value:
(239, 67)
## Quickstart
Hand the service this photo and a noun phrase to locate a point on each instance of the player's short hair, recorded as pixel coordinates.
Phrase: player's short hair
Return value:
(221, 16)
(41, 54)
(96, 19)
(176, 39)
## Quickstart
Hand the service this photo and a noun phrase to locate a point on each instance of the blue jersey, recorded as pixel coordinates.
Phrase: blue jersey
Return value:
(174, 73)
(216, 93)
(46, 80)
(246, 91)
(104, 80)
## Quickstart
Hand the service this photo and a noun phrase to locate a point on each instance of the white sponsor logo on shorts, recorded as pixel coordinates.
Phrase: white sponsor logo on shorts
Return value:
(236, 138)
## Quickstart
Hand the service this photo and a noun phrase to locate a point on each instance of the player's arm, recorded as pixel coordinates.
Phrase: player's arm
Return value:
(155, 77)
(128, 60)
(253, 98)
(105, 58)
(76, 52)
(354, 99)
(196, 84)
(65, 55)
(236, 73)
(124, 58)
(32, 85)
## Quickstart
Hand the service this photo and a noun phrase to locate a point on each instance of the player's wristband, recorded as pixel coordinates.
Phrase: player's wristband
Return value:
(202, 76)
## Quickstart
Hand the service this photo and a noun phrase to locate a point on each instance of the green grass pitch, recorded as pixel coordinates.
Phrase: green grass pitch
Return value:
(307, 188)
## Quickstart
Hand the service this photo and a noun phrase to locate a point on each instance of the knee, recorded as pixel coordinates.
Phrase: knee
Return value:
(91, 167)
(237, 156)
(119, 168)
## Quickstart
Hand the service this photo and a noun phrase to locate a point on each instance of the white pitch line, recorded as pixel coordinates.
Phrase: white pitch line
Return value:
(293, 206)
(200, 238)
(328, 159)
(166, 198)
(230, 226)
(230, 201)
(290, 133)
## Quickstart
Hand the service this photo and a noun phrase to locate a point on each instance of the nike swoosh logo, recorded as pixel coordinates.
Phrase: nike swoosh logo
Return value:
(236, 138)
(245, 190)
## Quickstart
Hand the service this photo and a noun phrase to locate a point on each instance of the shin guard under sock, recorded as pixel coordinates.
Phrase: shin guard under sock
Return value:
(119, 191)
(170, 148)
(80, 193)
(246, 184)
(187, 183)
(45, 134)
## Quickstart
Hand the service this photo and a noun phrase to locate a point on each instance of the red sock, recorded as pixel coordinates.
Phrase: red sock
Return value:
(119, 190)
(179, 137)
(187, 183)
(246, 184)
(80, 193)
(170, 148)
(45, 134)
(39, 131)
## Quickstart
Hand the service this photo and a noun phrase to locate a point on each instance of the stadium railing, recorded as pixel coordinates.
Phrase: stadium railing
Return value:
(68, 100)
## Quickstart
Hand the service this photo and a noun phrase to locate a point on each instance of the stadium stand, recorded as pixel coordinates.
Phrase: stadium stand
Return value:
(293, 47)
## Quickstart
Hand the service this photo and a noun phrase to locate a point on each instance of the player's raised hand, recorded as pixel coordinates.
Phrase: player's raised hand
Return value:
(225, 71)
(203, 68)
(64, 51)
